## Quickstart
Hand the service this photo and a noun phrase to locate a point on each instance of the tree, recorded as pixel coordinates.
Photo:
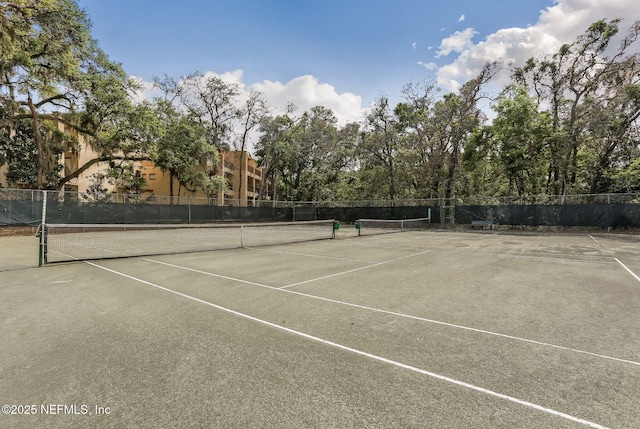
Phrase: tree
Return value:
(250, 117)
(379, 145)
(214, 103)
(613, 130)
(520, 136)
(271, 149)
(305, 156)
(480, 159)
(576, 82)
(49, 63)
(462, 115)
(183, 151)
(423, 157)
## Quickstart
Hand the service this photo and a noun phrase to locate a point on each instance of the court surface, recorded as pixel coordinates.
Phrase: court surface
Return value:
(434, 329)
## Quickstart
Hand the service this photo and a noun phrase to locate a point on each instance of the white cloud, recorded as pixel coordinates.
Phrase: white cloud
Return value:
(557, 24)
(307, 92)
(146, 91)
(457, 42)
(428, 66)
(304, 91)
(462, 18)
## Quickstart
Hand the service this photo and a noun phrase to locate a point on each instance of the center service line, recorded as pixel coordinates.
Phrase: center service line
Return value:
(365, 354)
(353, 270)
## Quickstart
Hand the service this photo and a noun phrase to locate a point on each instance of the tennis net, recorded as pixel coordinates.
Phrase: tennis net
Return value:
(63, 242)
(385, 226)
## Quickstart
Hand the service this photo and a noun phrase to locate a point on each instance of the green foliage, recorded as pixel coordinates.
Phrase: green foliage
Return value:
(592, 101)
(306, 157)
(519, 137)
(49, 62)
(19, 151)
(183, 151)
(124, 177)
(626, 179)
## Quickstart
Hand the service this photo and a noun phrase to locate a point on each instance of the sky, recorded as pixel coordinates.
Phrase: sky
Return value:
(341, 54)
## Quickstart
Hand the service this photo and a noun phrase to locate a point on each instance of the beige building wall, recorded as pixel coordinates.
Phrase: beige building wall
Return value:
(74, 160)
(243, 188)
(70, 161)
(3, 176)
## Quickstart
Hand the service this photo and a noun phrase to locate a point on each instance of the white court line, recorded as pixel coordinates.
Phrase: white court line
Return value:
(259, 249)
(377, 264)
(626, 268)
(407, 316)
(620, 262)
(366, 354)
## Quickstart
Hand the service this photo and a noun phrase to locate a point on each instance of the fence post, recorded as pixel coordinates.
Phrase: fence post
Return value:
(189, 207)
(42, 248)
(448, 211)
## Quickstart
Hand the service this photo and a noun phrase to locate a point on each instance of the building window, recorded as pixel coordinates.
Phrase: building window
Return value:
(152, 176)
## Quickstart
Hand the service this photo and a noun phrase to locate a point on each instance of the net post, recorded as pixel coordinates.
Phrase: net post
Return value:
(241, 236)
(336, 226)
(42, 233)
(358, 227)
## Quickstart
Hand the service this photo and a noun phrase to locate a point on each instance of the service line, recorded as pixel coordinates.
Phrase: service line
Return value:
(365, 354)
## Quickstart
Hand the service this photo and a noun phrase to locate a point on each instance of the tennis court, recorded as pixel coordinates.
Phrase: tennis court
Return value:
(436, 328)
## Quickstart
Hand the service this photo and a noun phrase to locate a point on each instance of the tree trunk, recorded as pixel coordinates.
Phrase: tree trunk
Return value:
(41, 174)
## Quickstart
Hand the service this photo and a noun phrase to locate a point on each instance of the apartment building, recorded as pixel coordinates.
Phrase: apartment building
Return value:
(243, 175)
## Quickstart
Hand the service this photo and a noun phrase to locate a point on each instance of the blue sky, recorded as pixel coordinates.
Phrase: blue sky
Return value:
(346, 52)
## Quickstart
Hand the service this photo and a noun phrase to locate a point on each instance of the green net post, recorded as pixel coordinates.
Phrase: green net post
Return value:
(336, 226)
(358, 226)
(42, 247)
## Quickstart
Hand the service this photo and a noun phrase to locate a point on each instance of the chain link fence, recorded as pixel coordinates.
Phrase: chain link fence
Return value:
(22, 207)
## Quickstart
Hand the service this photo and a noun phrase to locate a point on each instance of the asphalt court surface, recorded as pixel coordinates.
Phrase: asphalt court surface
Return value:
(443, 329)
